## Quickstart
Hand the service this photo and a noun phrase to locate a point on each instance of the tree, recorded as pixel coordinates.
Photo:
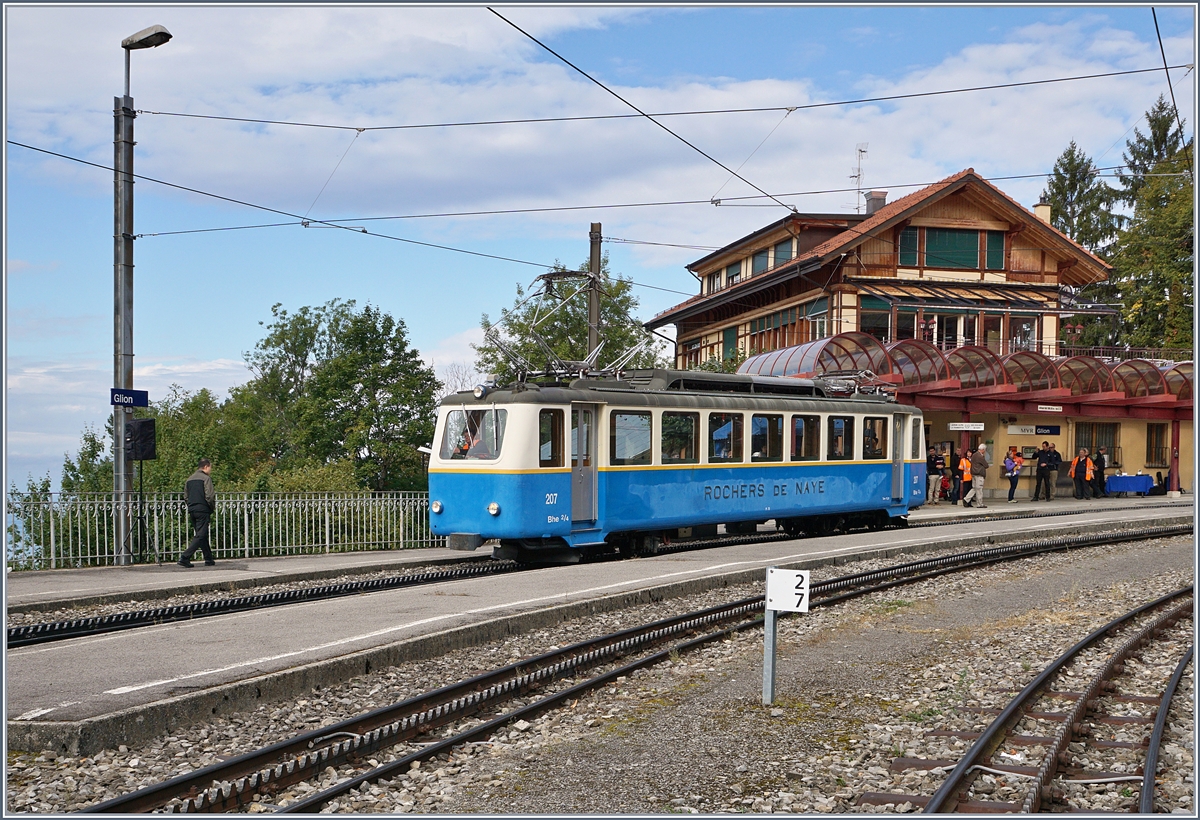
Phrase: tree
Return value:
(1154, 257)
(1080, 203)
(91, 471)
(1145, 151)
(565, 330)
(373, 402)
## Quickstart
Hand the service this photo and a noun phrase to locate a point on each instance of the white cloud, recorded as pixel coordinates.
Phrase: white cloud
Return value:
(454, 349)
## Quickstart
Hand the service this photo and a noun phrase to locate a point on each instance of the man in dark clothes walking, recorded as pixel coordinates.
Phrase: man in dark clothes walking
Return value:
(201, 501)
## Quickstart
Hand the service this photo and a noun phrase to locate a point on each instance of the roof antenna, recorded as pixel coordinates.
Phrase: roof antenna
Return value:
(858, 176)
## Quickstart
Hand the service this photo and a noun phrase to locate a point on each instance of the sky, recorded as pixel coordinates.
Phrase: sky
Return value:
(200, 297)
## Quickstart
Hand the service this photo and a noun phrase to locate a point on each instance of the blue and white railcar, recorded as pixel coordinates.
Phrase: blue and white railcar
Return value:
(625, 463)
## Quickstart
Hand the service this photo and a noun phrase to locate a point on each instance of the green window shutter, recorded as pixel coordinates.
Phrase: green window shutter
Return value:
(783, 252)
(951, 248)
(908, 248)
(995, 250)
(758, 263)
(730, 343)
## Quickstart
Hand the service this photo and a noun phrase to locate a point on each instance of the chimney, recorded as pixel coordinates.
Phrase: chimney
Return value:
(875, 200)
(1042, 210)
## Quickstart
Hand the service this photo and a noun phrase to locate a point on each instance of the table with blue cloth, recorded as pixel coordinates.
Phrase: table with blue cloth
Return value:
(1140, 484)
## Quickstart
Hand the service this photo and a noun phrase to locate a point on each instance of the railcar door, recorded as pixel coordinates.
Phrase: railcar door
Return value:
(583, 462)
(898, 457)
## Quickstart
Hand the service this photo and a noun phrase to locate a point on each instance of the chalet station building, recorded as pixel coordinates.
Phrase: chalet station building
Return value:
(963, 302)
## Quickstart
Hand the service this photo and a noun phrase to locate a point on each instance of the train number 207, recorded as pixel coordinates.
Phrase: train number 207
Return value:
(551, 498)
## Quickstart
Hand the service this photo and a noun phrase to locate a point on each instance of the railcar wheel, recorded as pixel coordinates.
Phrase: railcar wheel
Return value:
(877, 521)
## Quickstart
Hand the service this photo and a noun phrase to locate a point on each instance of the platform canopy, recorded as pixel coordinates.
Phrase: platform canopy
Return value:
(1138, 377)
(976, 366)
(1084, 375)
(918, 361)
(1179, 378)
(834, 354)
(1030, 371)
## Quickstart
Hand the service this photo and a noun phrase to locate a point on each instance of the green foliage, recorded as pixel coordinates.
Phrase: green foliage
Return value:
(1145, 151)
(566, 331)
(92, 470)
(1153, 258)
(1080, 203)
(339, 402)
(374, 401)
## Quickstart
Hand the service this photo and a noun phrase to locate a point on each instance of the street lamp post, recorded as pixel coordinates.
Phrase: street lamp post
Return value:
(123, 114)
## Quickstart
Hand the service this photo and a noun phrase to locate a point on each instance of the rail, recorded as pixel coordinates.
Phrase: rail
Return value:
(53, 530)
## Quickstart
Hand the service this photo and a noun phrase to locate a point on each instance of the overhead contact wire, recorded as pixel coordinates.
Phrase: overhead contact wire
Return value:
(695, 148)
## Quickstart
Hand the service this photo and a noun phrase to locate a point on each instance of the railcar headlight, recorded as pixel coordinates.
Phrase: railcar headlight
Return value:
(480, 391)
(494, 508)
(436, 506)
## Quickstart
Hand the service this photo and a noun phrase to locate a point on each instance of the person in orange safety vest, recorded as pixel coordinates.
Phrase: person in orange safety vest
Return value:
(964, 467)
(1081, 472)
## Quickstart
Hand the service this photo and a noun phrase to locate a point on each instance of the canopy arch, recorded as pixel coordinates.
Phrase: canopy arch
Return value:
(1083, 375)
(976, 366)
(1030, 371)
(918, 361)
(1138, 377)
(1179, 378)
(845, 351)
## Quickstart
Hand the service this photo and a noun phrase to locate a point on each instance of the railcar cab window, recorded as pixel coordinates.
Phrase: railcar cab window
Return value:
(680, 438)
(474, 434)
(918, 433)
(629, 436)
(724, 438)
(806, 438)
(875, 432)
(841, 439)
(766, 438)
(550, 438)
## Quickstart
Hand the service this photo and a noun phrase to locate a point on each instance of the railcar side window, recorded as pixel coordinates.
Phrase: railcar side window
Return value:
(806, 438)
(917, 431)
(550, 438)
(875, 436)
(724, 437)
(680, 437)
(841, 439)
(629, 434)
(766, 438)
(474, 434)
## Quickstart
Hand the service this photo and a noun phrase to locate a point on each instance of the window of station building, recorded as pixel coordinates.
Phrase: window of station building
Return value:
(876, 323)
(995, 250)
(817, 327)
(1157, 451)
(713, 281)
(783, 252)
(918, 433)
(907, 250)
(766, 438)
(951, 248)
(841, 439)
(474, 434)
(724, 438)
(629, 438)
(875, 432)
(550, 438)
(806, 438)
(680, 438)
(906, 325)
(758, 262)
(1094, 435)
(733, 273)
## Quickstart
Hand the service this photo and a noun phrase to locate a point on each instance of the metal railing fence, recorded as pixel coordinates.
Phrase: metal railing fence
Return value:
(52, 530)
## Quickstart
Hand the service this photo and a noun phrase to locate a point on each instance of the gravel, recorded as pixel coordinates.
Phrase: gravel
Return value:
(858, 685)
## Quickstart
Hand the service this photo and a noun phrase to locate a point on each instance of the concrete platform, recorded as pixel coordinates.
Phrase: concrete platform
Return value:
(82, 695)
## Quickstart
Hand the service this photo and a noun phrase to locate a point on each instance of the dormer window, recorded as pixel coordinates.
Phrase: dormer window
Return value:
(758, 262)
(733, 273)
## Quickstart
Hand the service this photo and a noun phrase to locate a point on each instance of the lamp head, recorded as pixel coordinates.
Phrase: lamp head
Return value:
(152, 37)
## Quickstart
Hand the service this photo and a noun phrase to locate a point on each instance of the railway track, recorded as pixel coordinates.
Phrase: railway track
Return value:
(471, 709)
(1067, 715)
(39, 633)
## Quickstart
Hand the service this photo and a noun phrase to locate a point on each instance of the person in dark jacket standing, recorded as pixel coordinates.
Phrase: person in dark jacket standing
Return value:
(1055, 465)
(1099, 465)
(201, 502)
(979, 466)
(1042, 471)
